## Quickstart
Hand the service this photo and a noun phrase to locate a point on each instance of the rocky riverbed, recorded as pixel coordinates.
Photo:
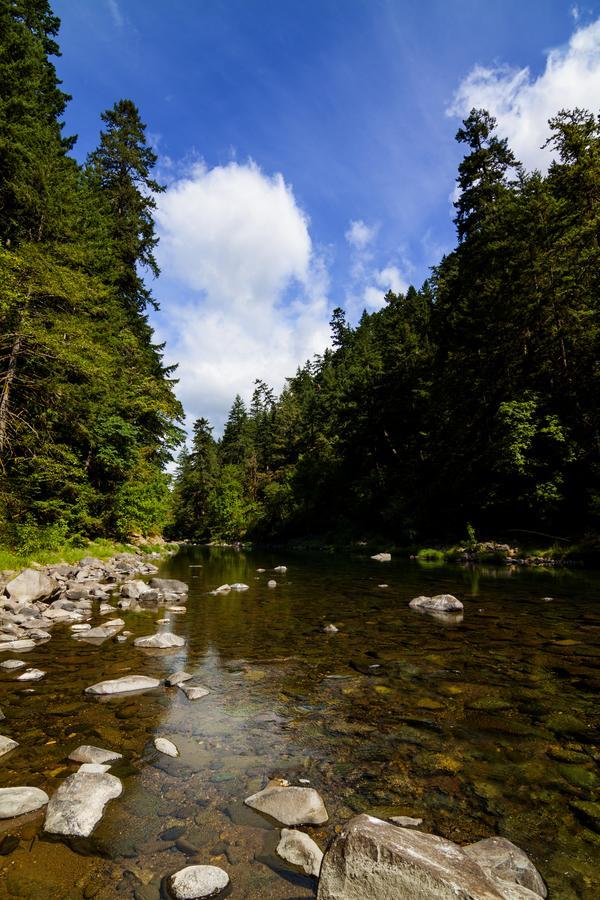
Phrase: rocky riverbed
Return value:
(203, 731)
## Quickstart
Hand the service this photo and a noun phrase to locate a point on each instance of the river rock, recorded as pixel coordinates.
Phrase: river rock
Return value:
(95, 768)
(406, 821)
(7, 744)
(194, 691)
(330, 629)
(290, 805)
(169, 585)
(176, 609)
(382, 557)
(300, 850)
(281, 569)
(195, 882)
(440, 603)
(177, 678)
(12, 664)
(271, 583)
(31, 675)
(126, 685)
(78, 804)
(163, 640)
(20, 644)
(15, 801)
(79, 628)
(89, 754)
(501, 859)
(163, 745)
(31, 585)
(133, 589)
(373, 860)
(239, 586)
(223, 589)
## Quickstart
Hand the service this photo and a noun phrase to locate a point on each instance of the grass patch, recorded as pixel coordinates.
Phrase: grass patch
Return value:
(430, 554)
(101, 548)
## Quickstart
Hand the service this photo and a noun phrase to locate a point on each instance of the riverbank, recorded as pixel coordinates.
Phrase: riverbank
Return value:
(12, 560)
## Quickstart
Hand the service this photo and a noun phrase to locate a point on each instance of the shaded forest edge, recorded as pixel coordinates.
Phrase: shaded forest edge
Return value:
(467, 407)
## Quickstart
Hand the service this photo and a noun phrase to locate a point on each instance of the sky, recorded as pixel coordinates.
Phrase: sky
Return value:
(308, 151)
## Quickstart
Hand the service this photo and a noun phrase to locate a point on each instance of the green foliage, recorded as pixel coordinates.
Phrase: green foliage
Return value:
(430, 554)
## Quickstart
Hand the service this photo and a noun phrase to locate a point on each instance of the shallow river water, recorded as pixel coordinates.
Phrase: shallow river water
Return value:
(488, 726)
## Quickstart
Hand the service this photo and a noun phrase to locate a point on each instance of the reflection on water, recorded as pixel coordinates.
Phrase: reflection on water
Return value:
(484, 726)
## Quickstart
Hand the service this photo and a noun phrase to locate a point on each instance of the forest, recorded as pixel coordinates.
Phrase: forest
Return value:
(88, 414)
(468, 405)
(468, 402)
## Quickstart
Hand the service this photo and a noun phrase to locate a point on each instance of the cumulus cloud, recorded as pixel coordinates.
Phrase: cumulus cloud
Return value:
(244, 291)
(388, 279)
(359, 235)
(522, 104)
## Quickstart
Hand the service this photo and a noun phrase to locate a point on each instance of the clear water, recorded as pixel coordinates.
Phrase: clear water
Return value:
(485, 727)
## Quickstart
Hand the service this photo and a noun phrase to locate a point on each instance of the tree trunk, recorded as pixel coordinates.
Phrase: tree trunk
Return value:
(5, 397)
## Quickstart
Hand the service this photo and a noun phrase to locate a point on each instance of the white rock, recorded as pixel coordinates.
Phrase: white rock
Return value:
(239, 586)
(271, 583)
(224, 589)
(78, 804)
(164, 640)
(330, 629)
(126, 685)
(15, 801)
(176, 609)
(21, 644)
(12, 664)
(84, 627)
(406, 821)
(382, 557)
(300, 850)
(95, 768)
(7, 744)
(282, 569)
(31, 675)
(163, 745)
(177, 678)
(30, 585)
(261, 570)
(195, 882)
(290, 805)
(194, 691)
(440, 603)
(90, 754)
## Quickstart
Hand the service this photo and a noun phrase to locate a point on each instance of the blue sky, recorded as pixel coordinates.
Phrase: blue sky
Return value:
(308, 147)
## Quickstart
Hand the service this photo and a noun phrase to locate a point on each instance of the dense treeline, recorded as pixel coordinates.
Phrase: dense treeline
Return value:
(472, 400)
(88, 416)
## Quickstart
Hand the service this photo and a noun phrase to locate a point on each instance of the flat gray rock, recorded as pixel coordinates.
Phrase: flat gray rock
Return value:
(163, 745)
(90, 754)
(31, 585)
(194, 691)
(195, 882)
(7, 744)
(96, 768)
(12, 664)
(406, 821)
(373, 860)
(31, 675)
(19, 644)
(503, 860)
(440, 603)
(16, 801)
(78, 805)
(177, 678)
(290, 805)
(126, 685)
(169, 585)
(163, 640)
(300, 850)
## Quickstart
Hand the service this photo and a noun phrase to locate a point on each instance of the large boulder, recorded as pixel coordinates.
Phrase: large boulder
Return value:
(290, 805)
(440, 603)
(169, 585)
(78, 805)
(163, 640)
(126, 685)
(300, 850)
(196, 882)
(503, 860)
(31, 585)
(373, 860)
(15, 801)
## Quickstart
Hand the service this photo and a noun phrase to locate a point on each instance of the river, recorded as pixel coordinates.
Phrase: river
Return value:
(480, 727)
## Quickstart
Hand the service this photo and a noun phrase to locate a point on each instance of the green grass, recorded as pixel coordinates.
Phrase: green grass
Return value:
(101, 548)
(430, 554)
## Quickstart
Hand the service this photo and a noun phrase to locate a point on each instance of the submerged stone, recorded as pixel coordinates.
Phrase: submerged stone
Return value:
(89, 754)
(300, 850)
(194, 691)
(290, 805)
(127, 684)
(196, 882)
(78, 805)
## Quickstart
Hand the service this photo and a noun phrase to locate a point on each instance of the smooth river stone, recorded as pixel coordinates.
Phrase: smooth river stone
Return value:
(163, 745)
(177, 678)
(15, 801)
(290, 805)
(31, 675)
(20, 644)
(12, 664)
(194, 691)
(96, 768)
(126, 685)
(169, 585)
(440, 603)
(300, 850)
(78, 805)
(164, 640)
(195, 882)
(90, 754)
(7, 744)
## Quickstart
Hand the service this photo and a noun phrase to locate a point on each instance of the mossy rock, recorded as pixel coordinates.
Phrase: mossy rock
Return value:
(587, 812)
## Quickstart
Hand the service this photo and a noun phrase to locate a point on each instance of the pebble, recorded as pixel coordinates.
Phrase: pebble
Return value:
(196, 882)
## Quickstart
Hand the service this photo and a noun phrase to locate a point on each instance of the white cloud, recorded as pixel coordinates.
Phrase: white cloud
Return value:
(523, 104)
(359, 235)
(388, 279)
(246, 293)
(115, 11)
